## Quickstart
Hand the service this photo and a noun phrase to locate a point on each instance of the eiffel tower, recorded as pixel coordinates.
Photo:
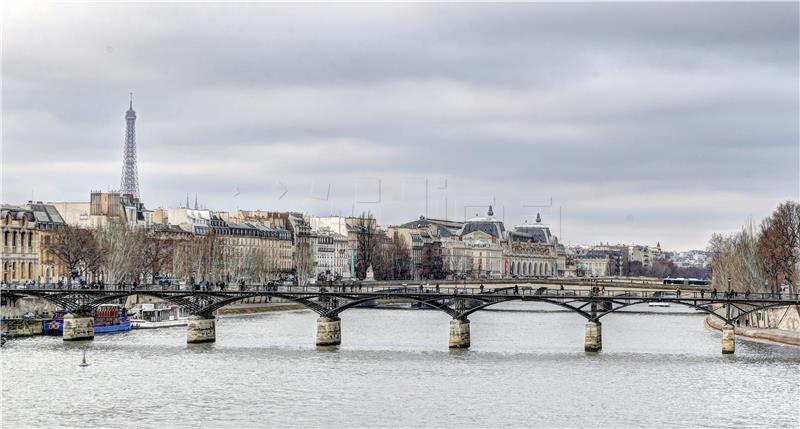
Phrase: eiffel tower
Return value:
(129, 184)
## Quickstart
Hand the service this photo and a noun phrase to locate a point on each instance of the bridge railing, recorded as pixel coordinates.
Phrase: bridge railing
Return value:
(386, 289)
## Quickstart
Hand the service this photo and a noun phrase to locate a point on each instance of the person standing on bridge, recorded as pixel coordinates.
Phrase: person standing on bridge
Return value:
(678, 292)
(702, 293)
(747, 293)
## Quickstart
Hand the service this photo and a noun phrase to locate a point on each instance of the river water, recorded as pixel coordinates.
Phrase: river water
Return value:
(393, 369)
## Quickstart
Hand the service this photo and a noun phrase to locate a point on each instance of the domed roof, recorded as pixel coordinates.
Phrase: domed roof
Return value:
(535, 233)
(487, 224)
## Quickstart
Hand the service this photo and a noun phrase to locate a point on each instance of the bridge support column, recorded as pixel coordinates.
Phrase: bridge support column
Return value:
(78, 327)
(593, 340)
(329, 331)
(201, 330)
(459, 334)
(728, 339)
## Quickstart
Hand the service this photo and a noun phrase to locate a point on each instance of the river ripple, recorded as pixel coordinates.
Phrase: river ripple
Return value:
(394, 369)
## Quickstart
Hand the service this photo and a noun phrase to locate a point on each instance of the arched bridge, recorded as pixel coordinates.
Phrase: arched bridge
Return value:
(329, 302)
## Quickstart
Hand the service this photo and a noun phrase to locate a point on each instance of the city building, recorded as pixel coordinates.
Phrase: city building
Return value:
(620, 257)
(593, 263)
(532, 250)
(646, 255)
(20, 253)
(48, 222)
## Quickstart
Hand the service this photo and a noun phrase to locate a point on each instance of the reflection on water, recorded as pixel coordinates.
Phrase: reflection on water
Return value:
(394, 369)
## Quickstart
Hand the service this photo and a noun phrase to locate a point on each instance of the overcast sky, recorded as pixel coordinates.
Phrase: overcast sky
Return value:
(645, 123)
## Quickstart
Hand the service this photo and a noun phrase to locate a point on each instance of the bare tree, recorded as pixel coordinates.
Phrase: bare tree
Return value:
(123, 248)
(751, 269)
(736, 262)
(390, 258)
(432, 261)
(636, 269)
(366, 242)
(157, 253)
(214, 257)
(77, 248)
(779, 244)
(259, 264)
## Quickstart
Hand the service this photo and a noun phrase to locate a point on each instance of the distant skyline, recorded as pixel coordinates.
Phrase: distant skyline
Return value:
(644, 122)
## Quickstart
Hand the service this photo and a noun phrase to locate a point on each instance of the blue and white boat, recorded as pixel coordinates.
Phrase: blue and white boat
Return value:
(108, 319)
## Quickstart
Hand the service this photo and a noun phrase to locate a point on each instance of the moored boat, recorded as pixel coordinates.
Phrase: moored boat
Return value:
(149, 316)
(658, 304)
(108, 319)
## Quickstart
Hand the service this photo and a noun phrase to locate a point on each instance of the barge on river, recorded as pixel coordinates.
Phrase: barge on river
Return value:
(108, 319)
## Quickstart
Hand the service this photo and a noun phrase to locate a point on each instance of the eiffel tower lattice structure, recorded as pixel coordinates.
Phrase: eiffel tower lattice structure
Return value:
(129, 183)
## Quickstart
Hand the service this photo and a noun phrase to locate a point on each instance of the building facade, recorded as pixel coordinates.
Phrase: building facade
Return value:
(20, 253)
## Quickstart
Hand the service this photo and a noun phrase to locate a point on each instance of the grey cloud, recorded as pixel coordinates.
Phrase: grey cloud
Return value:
(614, 109)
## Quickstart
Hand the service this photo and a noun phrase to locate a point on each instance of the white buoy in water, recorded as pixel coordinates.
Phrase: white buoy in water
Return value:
(83, 363)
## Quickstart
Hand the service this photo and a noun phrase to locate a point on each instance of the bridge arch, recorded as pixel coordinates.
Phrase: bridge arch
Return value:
(482, 306)
(179, 299)
(320, 309)
(762, 307)
(67, 300)
(620, 305)
(304, 301)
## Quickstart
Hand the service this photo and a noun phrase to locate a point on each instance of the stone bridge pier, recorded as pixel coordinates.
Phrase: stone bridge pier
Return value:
(201, 329)
(459, 334)
(78, 327)
(728, 339)
(329, 331)
(593, 338)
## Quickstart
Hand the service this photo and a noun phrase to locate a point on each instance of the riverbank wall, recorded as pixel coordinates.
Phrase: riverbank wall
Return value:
(18, 327)
(780, 325)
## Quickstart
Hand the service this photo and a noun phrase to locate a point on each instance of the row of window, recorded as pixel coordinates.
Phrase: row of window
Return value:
(18, 271)
(10, 238)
